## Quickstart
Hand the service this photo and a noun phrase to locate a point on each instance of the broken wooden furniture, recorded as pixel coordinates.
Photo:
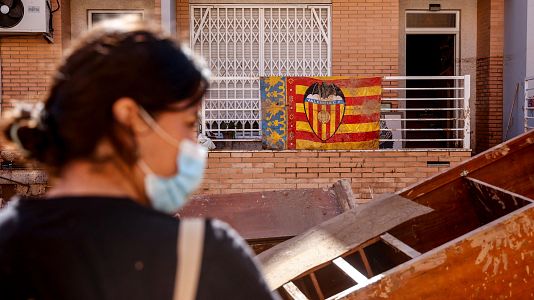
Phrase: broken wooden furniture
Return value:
(338, 236)
(477, 243)
(265, 219)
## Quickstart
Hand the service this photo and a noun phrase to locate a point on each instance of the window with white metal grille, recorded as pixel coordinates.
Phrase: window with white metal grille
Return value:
(242, 43)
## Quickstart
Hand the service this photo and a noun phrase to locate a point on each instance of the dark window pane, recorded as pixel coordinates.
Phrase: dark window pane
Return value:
(430, 20)
(101, 16)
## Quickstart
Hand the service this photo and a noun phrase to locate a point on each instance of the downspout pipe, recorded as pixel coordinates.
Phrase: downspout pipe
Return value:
(168, 16)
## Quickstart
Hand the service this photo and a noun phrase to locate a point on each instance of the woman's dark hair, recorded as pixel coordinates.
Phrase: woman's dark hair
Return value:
(120, 58)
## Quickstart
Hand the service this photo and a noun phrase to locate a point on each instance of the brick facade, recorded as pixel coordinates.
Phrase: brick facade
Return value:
(365, 42)
(370, 172)
(27, 64)
(489, 85)
(157, 10)
(365, 37)
(182, 19)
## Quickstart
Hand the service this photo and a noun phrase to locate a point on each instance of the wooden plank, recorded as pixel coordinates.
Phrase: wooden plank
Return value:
(495, 260)
(454, 215)
(398, 244)
(513, 173)
(356, 249)
(345, 197)
(335, 237)
(316, 286)
(494, 202)
(350, 270)
(366, 262)
(455, 212)
(261, 245)
(294, 292)
(500, 190)
(268, 215)
(478, 162)
(23, 177)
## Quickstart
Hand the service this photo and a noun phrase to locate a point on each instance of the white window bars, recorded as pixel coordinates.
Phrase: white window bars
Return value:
(242, 43)
(425, 112)
(529, 103)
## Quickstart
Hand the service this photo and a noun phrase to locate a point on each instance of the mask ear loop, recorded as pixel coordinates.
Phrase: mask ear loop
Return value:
(144, 167)
(154, 125)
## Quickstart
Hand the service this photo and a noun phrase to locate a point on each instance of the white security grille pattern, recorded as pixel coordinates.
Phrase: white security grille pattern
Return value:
(242, 43)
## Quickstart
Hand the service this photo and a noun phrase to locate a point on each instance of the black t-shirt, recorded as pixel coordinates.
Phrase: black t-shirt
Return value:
(112, 248)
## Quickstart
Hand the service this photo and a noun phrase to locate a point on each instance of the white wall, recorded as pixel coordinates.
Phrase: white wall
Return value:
(530, 38)
(518, 17)
(79, 10)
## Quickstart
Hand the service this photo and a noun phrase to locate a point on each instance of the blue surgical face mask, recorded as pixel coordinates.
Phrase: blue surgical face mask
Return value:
(168, 194)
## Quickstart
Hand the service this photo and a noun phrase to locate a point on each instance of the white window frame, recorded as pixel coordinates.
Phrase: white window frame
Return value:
(327, 35)
(124, 12)
(451, 30)
(426, 30)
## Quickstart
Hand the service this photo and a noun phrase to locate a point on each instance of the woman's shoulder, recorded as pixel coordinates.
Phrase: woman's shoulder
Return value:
(220, 235)
(227, 255)
(68, 214)
(221, 231)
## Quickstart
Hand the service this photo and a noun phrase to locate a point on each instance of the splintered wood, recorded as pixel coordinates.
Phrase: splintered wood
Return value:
(478, 243)
(336, 237)
(494, 261)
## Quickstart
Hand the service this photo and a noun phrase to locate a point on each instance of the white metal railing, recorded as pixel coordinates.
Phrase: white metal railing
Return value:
(529, 104)
(232, 109)
(425, 112)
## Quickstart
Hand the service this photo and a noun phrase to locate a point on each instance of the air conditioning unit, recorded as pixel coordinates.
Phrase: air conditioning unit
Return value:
(25, 16)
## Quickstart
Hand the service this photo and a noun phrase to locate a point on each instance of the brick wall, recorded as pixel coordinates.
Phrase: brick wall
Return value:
(182, 19)
(157, 10)
(370, 172)
(27, 63)
(365, 37)
(489, 86)
(365, 42)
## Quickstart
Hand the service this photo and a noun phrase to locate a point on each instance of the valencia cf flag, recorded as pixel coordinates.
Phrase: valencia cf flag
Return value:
(331, 113)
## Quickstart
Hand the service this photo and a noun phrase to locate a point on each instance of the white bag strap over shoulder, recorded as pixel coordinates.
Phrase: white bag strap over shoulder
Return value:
(189, 258)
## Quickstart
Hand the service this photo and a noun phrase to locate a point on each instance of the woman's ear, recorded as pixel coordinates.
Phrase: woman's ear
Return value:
(126, 112)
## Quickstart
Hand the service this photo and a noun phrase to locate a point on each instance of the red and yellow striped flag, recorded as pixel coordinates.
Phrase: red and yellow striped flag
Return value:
(333, 112)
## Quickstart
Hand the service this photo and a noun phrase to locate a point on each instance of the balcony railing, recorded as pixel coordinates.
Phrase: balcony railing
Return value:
(426, 112)
(529, 103)
(417, 112)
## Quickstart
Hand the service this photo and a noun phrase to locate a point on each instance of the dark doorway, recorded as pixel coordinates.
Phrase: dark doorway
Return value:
(430, 55)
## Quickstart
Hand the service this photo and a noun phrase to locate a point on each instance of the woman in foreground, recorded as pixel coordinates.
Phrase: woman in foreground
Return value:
(117, 133)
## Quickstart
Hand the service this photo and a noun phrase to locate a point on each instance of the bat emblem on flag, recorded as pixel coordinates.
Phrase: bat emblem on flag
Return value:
(324, 105)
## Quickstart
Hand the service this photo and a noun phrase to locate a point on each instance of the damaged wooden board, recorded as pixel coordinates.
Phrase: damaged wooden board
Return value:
(493, 261)
(274, 214)
(490, 166)
(476, 195)
(494, 202)
(336, 237)
(454, 197)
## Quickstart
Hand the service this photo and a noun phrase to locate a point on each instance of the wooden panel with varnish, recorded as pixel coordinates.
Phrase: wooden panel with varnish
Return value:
(479, 238)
